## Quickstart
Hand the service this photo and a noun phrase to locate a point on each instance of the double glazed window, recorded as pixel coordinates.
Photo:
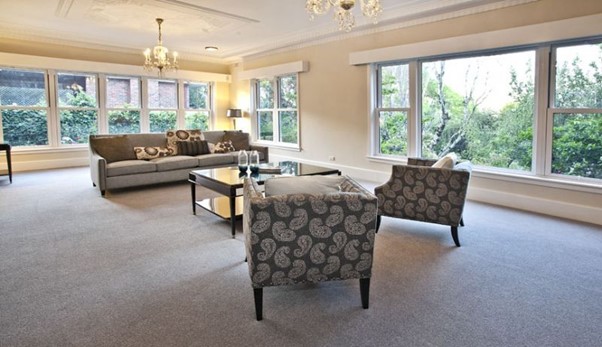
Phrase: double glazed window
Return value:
(48, 108)
(277, 118)
(483, 107)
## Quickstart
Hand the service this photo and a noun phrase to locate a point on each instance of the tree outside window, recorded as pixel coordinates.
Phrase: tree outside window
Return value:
(24, 107)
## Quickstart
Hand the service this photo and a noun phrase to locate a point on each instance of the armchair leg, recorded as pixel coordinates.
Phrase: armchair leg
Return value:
(378, 218)
(462, 221)
(365, 291)
(258, 294)
(454, 231)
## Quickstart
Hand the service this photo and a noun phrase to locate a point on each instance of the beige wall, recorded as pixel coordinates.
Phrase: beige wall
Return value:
(334, 95)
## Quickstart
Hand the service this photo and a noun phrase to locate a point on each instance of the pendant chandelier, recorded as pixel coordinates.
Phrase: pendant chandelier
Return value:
(159, 58)
(343, 10)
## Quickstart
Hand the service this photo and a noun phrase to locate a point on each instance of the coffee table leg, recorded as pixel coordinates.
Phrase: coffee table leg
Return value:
(233, 215)
(193, 195)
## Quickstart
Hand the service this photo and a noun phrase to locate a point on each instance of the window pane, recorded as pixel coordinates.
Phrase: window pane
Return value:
(393, 133)
(579, 76)
(123, 92)
(266, 125)
(124, 122)
(394, 86)
(266, 94)
(25, 127)
(22, 88)
(288, 92)
(577, 145)
(76, 90)
(196, 95)
(288, 126)
(162, 94)
(78, 125)
(480, 108)
(197, 120)
(161, 121)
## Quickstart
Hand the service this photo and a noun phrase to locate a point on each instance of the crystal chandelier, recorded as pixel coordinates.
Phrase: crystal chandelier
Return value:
(159, 59)
(342, 10)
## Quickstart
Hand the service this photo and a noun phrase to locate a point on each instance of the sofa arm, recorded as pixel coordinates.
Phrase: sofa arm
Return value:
(261, 149)
(98, 171)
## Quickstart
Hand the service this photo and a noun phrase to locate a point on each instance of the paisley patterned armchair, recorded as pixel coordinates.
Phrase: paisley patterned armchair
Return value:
(309, 237)
(420, 192)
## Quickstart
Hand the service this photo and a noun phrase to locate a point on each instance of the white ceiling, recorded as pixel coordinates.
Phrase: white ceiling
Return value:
(238, 27)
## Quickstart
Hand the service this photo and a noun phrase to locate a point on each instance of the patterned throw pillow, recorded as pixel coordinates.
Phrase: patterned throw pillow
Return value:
(174, 136)
(152, 152)
(224, 147)
(192, 147)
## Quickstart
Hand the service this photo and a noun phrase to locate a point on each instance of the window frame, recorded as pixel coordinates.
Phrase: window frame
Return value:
(275, 110)
(544, 110)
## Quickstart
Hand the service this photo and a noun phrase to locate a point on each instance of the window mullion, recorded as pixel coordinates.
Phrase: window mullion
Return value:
(144, 111)
(53, 113)
(414, 112)
(276, 109)
(542, 130)
(102, 105)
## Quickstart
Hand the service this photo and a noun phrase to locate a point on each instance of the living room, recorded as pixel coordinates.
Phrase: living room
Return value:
(335, 76)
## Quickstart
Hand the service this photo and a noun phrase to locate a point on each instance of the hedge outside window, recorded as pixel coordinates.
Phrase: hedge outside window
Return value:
(77, 94)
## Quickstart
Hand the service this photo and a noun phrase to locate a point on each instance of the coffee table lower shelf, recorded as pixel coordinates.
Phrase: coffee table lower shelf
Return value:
(220, 206)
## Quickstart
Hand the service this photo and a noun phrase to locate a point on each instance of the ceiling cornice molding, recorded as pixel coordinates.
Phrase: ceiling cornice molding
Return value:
(399, 23)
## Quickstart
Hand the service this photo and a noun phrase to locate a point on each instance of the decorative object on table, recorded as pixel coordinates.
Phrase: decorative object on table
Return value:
(425, 190)
(160, 59)
(254, 161)
(329, 235)
(269, 169)
(243, 160)
(234, 113)
(343, 10)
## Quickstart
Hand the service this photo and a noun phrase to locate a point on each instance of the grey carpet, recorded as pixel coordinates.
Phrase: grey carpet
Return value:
(138, 269)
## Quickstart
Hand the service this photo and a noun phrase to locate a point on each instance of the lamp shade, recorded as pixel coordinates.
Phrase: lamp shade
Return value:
(234, 113)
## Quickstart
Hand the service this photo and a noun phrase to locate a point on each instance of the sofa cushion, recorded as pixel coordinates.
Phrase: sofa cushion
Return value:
(224, 147)
(114, 148)
(192, 147)
(215, 159)
(152, 152)
(173, 136)
(446, 162)
(130, 167)
(303, 184)
(240, 140)
(175, 162)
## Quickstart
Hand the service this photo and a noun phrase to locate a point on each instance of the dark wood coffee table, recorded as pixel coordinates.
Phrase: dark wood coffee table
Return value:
(229, 182)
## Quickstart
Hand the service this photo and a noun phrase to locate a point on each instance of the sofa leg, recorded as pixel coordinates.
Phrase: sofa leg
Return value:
(365, 291)
(378, 218)
(93, 184)
(102, 192)
(454, 231)
(258, 294)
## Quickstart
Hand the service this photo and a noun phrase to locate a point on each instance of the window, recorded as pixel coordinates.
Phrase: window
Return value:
(482, 106)
(78, 106)
(577, 111)
(196, 104)
(393, 106)
(24, 107)
(162, 104)
(123, 104)
(276, 110)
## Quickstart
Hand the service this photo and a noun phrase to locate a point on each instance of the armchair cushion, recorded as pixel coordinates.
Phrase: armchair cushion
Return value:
(303, 184)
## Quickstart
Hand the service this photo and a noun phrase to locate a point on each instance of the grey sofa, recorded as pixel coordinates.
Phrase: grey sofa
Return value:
(322, 229)
(113, 162)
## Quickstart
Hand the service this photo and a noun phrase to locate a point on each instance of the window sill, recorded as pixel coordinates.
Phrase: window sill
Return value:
(48, 149)
(291, 147)
(558, 182)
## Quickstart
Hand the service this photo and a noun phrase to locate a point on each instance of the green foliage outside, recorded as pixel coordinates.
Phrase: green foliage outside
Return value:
(452, 122)
(197, 120)
(161, 121)
(124, 122)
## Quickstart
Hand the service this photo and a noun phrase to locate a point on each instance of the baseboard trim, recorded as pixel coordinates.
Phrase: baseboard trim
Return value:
(554, 208)
(49, 164)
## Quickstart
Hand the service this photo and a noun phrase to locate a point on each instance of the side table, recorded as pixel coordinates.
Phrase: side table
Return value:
(6, 147)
